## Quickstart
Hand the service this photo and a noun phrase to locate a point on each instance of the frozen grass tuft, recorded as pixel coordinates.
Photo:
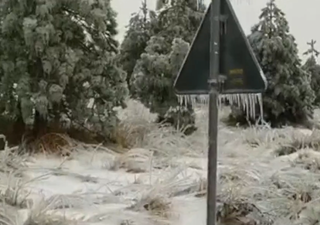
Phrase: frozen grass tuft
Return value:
(308, 159)
(136, 123)
(296, 140)
(136, 160)
(154, 202)
(8, 216)
(44, 219)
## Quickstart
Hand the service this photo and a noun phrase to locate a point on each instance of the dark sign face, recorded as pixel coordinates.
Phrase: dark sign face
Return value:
(238, 65)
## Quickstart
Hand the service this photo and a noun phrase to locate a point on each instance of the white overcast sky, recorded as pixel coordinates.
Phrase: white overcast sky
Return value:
(303, 16)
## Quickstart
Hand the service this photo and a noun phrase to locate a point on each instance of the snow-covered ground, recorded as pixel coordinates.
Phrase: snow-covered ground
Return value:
(162, 180)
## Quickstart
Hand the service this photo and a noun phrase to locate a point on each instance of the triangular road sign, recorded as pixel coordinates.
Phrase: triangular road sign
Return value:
(237, 61)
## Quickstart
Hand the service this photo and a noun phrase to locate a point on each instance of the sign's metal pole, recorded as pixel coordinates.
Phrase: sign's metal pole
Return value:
(213, 112)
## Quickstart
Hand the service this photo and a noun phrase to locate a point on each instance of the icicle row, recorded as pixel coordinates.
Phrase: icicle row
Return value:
(247, 101)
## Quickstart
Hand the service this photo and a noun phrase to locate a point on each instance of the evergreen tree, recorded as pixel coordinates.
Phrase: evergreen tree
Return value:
(160, 4)
(313, 68)
(57, 56)
(180, 19)
(157, 68)
(289, 97)
(139, 32)
(153, 79)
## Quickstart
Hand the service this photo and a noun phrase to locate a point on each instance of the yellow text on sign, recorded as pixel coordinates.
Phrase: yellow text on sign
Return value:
(237, 82)
(236, 72)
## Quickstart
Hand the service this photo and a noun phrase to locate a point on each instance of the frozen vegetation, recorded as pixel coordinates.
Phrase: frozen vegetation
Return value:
(266, 176)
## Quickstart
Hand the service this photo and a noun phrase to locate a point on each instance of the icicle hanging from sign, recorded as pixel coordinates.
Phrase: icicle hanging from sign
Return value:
(247, 101)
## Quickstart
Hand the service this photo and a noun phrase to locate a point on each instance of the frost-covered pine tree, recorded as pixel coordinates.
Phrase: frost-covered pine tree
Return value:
(289, 97)
(57, 56)
(155, 71)
(140, 29)
(313, 68)
(180, 19)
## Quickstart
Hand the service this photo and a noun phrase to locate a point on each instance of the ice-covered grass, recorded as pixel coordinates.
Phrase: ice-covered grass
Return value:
(157, 176)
